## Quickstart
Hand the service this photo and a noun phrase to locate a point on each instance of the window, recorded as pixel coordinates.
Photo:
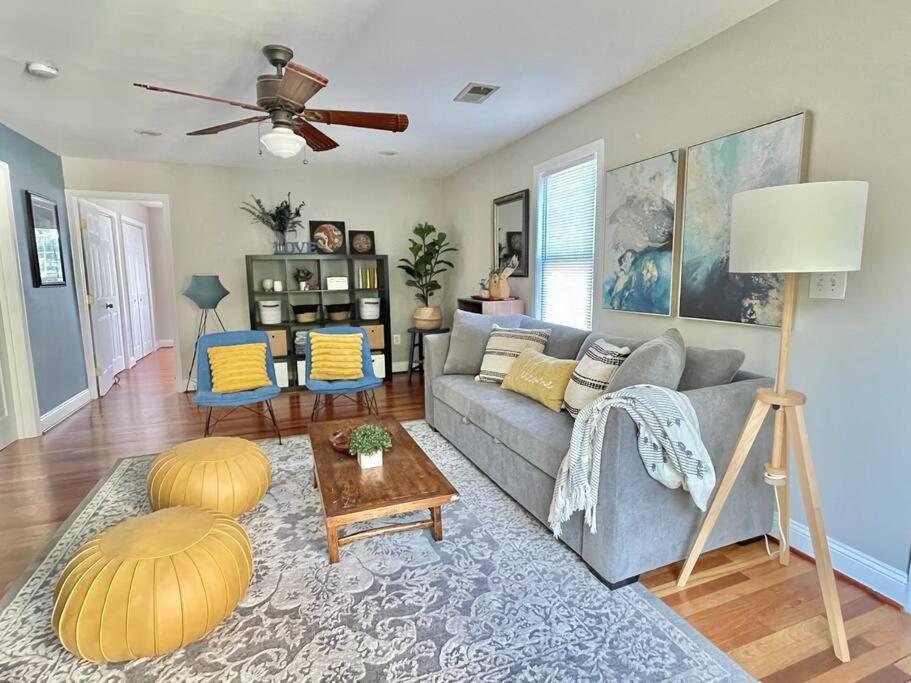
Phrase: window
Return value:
(567, 215)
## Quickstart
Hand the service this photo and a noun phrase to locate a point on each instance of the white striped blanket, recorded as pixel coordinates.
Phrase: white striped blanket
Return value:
(669, 441)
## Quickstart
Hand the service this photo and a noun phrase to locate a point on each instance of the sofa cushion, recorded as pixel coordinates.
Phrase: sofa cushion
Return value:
(468, 340)
(593, 374)
(503, 347)
(540, 377)
(540, 436)
(564, 341)
(709, 367)
(658, 361)
(611, 339)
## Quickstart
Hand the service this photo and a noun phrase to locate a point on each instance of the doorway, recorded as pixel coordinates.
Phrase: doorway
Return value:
(18, 395)
(136, 267)
(124, 278)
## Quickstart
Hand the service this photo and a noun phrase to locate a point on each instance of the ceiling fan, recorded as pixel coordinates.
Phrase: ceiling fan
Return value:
(282, 97)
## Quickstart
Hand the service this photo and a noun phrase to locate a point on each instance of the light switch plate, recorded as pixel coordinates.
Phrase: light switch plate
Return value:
(828, 285)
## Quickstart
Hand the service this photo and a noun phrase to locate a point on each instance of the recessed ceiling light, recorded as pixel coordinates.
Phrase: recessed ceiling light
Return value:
(475, 93)
(388, 152)
(146, 133)
(42, 69)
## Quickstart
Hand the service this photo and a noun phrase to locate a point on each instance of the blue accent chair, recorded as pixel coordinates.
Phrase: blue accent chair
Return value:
(326, 390)
(240, 399)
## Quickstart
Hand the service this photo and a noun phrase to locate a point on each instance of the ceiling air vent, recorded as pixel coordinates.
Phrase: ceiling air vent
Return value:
(475, 93)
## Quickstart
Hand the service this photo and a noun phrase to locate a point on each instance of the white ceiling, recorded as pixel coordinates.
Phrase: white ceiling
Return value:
(410, 56)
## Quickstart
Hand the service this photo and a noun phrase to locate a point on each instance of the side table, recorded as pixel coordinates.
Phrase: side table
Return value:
(417, 342)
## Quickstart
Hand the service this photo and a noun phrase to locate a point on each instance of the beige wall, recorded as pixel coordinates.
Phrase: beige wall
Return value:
(848, 63)
(211, 235)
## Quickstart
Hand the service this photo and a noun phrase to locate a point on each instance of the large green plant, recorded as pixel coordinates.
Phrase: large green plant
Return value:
(426, 263)
(280, 219)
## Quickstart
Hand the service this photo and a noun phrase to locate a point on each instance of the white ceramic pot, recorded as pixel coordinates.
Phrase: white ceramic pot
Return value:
(368, 460)
(302, 286)
(428, 317)
(267, 285)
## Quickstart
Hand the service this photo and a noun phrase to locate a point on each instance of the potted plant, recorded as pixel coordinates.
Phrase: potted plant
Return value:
(423, 270)
(304, 276)
(368, 442)
(280, 219)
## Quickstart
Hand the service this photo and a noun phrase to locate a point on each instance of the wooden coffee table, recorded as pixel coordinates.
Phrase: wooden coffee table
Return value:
(407, 481)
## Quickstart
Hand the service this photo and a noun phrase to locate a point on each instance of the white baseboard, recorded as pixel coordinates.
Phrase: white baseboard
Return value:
(57, 415)
(400, 366)
(164, 343)
(875, 575)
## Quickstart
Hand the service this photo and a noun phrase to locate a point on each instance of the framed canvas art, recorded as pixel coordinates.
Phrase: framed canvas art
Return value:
(362, 242)
(763, 156)
(328, 236)
(640, 228)
(45, 248)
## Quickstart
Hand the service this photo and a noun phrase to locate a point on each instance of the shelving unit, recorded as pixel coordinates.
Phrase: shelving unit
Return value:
(284, 266)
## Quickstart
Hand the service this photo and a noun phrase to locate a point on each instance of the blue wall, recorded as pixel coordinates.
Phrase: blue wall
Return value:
(53, 320)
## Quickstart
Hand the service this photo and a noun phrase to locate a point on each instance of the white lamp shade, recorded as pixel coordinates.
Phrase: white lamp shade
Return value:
(282, 142)
(805, 228)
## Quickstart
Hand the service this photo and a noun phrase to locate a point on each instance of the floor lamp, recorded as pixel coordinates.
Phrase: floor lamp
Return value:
(206, 291)
(791, 229)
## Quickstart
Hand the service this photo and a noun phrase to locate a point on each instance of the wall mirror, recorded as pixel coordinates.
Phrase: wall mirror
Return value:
(510, 230)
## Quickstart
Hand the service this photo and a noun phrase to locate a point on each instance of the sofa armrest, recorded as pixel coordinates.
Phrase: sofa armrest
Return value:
(721, 411)
(436, 348)
(642, 524)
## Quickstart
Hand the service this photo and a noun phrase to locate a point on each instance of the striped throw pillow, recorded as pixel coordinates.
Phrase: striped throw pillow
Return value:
(592, 375)
(504, 345)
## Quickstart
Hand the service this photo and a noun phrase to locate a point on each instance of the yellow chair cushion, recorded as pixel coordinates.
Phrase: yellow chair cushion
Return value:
(152, 584)
(540, 377)
(336, 356)
(222, 473)
(241, 367)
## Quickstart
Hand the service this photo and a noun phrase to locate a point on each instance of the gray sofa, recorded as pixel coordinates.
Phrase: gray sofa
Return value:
(641, 525)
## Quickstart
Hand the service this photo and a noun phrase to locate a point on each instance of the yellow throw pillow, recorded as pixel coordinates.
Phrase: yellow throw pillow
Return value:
(336, 356)
(540, 377)
(241, 367)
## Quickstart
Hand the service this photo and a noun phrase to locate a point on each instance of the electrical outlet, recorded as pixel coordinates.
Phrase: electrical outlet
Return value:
(828, 285)
(396, 339)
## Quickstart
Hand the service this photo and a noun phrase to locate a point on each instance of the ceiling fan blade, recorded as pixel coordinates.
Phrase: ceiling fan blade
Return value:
(299, 84)
(361, 119)
(228, 126)
(316, 139)
(233, 103)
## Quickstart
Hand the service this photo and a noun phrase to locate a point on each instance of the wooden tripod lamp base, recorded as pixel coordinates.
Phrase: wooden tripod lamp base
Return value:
(789, 421)
(790, 229)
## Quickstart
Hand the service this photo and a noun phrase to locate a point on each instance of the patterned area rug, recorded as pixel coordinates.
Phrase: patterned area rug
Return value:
(497, 600)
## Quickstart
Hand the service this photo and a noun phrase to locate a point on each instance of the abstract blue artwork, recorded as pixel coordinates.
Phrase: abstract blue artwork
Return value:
(641, 201)
(763, 156)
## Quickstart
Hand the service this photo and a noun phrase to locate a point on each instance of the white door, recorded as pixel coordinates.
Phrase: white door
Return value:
(8, 429)
(137, 288)
(101, 284)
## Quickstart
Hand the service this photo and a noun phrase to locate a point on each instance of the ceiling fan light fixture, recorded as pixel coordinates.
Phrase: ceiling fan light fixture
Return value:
(282, 142)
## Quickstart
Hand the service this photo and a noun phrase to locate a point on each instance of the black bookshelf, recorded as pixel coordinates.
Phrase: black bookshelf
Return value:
(284, 266)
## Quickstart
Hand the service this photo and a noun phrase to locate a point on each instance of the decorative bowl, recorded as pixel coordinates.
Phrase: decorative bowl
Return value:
(339, 441)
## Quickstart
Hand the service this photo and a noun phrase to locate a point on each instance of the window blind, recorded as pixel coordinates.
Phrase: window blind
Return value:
(566, 229)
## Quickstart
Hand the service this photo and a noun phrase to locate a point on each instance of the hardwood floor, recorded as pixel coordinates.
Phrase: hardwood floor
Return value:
(768, 618)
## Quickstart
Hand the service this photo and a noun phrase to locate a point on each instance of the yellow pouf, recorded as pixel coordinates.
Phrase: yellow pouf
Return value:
(220, 473)
(152, 584)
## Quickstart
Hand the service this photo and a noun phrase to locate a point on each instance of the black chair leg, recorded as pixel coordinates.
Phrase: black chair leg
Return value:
(208, 421)
(274, 422)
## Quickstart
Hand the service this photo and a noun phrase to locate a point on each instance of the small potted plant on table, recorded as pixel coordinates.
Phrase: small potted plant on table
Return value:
(368, 442)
